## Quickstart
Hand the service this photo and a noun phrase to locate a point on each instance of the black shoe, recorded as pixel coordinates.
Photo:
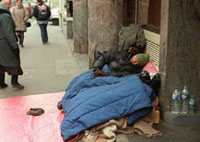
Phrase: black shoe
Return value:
(18, 86)
(35, 111)
(156, 83)
(45, 42)
(3, 86)
(145, 77)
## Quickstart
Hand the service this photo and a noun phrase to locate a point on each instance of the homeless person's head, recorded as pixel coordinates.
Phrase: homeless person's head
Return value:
(140, 59)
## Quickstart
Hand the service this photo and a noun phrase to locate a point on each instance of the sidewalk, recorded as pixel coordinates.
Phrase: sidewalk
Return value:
(47, 68)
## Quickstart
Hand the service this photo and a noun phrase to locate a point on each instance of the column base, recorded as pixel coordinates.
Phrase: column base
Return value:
(182, 120)
(69, 28)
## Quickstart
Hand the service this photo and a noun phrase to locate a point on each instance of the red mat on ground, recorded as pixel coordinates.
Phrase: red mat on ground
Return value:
(16, 126)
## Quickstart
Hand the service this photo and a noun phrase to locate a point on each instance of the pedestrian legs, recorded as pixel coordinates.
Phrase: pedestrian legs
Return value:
(2, 80)
(44, 34)
(21, 39)
(15, 83)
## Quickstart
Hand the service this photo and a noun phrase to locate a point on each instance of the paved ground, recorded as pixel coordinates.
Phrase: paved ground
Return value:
(49, 68)
(170, 134)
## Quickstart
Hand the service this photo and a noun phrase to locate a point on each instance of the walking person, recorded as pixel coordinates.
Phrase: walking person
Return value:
(20, 16)
(9, 49)
(42, 14)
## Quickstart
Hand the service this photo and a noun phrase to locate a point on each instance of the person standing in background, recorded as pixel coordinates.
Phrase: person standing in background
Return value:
(42, 13)
(69, 7)
(9, 49)
(20, 16)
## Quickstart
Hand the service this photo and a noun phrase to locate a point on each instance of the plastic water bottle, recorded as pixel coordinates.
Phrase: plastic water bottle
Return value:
(191, 108)
(185, 100)
(176, 101)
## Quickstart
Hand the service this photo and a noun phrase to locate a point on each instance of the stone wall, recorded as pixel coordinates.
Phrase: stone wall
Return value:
(80, 21)
(143, 6)
(131, 11)
(180, 48)
(105, 18)
(128, 12)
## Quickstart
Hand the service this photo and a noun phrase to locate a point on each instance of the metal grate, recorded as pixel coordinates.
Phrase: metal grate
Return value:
(153, 46)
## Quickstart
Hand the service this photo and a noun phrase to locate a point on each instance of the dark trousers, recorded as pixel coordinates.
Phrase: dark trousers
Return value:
(44, 34)
(2, 79)
(14, 79)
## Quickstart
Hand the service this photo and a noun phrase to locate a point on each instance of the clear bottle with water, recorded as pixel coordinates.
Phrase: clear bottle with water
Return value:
(191, 108)
(176, 101)
(185, 100)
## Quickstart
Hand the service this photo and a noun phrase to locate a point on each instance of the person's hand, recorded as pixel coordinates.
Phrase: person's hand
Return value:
(99, 73)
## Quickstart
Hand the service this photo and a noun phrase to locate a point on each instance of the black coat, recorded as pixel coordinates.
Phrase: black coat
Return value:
(36, 12)
(118, 62)
(9, 49)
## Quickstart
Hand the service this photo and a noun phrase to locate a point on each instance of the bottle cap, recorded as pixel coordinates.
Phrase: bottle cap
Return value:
(157, 108)
(176, 87)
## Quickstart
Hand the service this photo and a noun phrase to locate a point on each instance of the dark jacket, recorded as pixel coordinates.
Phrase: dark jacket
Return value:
(118, 62)
(9, 49)
(36, 13)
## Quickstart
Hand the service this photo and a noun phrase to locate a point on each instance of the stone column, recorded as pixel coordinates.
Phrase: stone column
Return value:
(80, 14)
(180, 48)
(105, 17)
(143, 7)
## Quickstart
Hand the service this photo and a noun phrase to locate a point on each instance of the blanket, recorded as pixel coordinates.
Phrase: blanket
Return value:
(89, 101)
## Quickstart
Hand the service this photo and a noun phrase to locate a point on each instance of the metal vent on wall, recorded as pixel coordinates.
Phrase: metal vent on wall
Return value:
(153, 46)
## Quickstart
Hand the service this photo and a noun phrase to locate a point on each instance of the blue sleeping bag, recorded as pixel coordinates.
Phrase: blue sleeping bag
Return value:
(89, 101)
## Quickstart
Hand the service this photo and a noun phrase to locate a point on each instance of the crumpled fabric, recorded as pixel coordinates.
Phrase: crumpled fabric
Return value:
(106, 132)
(144, 128)
(145, 125)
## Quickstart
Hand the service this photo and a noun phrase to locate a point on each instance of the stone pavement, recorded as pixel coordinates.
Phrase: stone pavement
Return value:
(47, 68)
